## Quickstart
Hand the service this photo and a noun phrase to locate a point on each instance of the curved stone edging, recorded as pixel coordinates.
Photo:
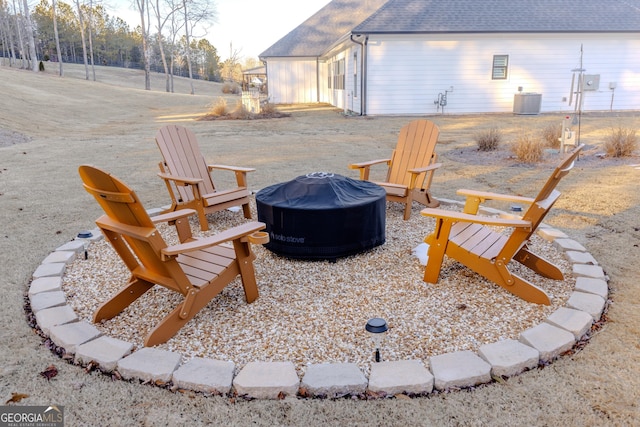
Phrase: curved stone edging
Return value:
(272, 380)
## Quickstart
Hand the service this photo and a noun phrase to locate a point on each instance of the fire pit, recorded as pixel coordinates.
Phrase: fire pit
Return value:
(322, 216)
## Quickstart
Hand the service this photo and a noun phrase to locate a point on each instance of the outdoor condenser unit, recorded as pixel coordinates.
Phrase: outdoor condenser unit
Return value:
(527, 103)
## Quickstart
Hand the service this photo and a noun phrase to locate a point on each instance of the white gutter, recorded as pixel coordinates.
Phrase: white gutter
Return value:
(363, 73)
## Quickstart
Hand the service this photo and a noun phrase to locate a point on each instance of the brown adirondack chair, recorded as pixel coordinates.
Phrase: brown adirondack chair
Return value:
(467, 238)
(411, 166)
(188, 177)
(199, 269)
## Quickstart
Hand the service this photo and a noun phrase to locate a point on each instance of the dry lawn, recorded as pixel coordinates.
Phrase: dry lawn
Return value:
(50, 125)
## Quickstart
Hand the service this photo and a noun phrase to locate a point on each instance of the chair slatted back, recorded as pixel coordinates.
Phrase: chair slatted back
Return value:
(416, 144)
(182, 157)
(542, 204)
(130, 230)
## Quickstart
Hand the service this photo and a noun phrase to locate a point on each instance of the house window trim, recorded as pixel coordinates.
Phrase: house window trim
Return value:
(500, 65)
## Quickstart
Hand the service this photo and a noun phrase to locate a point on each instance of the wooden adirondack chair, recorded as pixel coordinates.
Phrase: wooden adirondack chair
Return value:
(467, 238)
(411, 166)
(188, 177)
(199, 269)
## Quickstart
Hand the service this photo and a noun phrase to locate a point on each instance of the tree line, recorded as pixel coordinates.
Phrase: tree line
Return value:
(166, 41)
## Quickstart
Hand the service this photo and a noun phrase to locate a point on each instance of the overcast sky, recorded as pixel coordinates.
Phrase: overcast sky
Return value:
(249, 26)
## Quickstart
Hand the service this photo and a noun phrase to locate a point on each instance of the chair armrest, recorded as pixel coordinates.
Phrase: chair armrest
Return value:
(474, 198)
(183, 180)
(425, 168)
(235, 233)
(369, 163)
(172, 216)
(465, 217)
(230, 168)
(365, 166)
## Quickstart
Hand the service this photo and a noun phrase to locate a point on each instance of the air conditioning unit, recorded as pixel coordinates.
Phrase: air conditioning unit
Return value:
(527, 103)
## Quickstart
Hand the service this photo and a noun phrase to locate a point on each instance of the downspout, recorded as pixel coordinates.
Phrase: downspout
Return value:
(363, 73)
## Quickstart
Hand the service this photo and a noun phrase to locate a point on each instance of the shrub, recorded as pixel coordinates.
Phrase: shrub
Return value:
(240, 112)
(219, 108)
(528, 149)
(231, 88)
(488, 140)
(552, 134)
(621, 142)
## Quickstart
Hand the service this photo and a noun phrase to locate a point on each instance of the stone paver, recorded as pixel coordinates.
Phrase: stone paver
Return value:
(575, 321)
(402, 376)
(205, 375)
(549, 340)
(267, 380)
(584, 270)
(70, 335)
(568, 245)
(591, 303)
(65, 257)
(45, 284)
(74, 246)
(551, 234)
(50, 269)
(580, 257)
(149, 364)
(47, 300)
(105, 351)
(592, 286)
(54, 316)
(334, 380)
(509, 357)
(459, 369)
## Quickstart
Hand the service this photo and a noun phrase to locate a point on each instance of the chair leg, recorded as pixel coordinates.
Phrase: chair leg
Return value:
(202, 218)
(244, 258)
(538, 264)
(128, 294)
(437, 248)
(527, 291)
(246, 210)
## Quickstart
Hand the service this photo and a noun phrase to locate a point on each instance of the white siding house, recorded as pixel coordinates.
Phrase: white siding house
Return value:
(460, 56)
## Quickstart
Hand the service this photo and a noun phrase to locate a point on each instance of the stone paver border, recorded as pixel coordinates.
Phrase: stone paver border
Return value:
(276, 380)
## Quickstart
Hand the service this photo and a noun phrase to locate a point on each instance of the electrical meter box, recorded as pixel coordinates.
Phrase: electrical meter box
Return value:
(591, 82)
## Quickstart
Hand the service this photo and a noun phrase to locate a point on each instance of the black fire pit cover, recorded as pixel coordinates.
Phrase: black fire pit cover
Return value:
(322, 216)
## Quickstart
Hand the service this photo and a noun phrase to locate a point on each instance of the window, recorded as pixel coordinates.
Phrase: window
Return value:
(329, 75)
(338, 74)
(500, 67)
(355, 75)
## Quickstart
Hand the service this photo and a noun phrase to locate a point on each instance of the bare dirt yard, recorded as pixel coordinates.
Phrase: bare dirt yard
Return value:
(49, 125)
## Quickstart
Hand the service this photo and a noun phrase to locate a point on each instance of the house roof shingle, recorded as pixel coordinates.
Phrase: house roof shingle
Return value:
(317, 34)
(495, 16)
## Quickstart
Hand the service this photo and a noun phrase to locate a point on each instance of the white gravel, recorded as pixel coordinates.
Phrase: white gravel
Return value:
(312, 312)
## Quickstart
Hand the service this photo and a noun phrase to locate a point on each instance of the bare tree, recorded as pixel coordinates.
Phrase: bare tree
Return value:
(84, 41)
(143, 8)
(197, 12)
(30, 38)
(56, 36)
(170, 10)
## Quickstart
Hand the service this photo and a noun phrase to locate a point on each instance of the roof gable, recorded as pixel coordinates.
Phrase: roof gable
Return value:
(495, 16)
(318, 33)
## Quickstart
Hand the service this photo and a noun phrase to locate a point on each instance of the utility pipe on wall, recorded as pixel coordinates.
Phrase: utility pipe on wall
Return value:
(363, 72)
